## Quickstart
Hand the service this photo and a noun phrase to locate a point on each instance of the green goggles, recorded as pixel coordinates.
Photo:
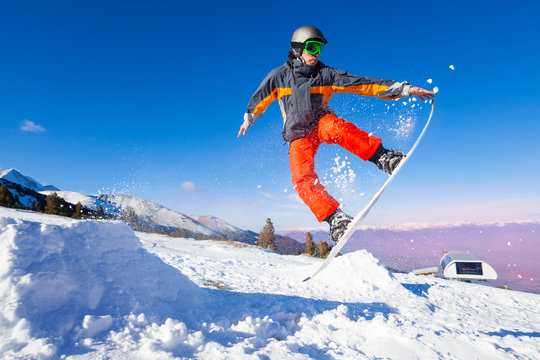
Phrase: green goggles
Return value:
(313, 47)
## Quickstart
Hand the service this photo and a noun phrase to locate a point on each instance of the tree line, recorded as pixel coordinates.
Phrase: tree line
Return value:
(49, 204)
(267, 240)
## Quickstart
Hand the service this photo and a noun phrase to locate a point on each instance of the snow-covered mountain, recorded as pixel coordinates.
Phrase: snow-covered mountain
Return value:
(155, 214)
(144, 215)
(216, 224)
(25, 181)
(87, 289)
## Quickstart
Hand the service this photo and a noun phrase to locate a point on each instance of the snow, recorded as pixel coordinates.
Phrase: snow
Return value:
(87, 289)
(215, 224)
(154, 213)
(452, 67)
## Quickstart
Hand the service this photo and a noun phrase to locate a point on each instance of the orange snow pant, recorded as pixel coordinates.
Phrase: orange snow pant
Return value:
(330, 130)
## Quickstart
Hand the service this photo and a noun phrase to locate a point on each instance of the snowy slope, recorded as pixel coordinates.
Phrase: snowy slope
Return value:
(16, 177)
(155, 214)
(94, 289)
(215, 224)
(225, 229)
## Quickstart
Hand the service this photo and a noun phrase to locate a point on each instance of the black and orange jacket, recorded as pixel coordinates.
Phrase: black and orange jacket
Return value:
(303, 92)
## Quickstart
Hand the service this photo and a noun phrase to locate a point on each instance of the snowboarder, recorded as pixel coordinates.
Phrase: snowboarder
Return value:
(303, 86)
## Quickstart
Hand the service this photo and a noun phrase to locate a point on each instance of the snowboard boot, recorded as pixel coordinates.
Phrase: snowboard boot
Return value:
(386, 160)
(338, 221)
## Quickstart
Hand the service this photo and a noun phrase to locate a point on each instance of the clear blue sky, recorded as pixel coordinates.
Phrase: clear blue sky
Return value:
(146, 97)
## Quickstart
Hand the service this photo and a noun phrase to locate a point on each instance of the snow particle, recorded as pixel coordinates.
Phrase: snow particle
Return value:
(429, 81)
(452, 67)
(435, 89)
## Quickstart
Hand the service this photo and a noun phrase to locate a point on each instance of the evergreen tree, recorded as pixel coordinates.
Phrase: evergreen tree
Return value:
(55, 205)
(78, 213)
(324, 249)
(130, 217)
(100, 213)
(6, 199)
(310, 245)
(267, 237)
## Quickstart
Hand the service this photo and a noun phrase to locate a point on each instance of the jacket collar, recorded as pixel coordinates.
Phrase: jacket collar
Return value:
(302, 68)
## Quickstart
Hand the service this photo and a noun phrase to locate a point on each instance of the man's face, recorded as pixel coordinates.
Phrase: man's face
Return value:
(310, 59)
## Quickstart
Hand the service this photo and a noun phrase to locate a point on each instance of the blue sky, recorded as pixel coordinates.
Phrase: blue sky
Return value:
(146, 98)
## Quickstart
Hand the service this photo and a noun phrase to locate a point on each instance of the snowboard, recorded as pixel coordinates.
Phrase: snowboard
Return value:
(355, 223)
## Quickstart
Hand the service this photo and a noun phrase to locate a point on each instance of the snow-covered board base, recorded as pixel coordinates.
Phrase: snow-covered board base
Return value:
(94, 289)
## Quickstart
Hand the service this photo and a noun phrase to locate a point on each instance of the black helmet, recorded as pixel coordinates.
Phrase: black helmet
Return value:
(305, 33)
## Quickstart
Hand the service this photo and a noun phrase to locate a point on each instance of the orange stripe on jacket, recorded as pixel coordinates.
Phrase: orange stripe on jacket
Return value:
(276, 94)
(365, 90)
(327, 91)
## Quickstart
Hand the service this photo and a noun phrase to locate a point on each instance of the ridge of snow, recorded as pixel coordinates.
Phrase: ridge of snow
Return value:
(62, 277)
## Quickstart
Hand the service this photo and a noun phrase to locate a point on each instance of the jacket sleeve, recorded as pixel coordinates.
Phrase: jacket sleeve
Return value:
(262, 98)
(345, 82)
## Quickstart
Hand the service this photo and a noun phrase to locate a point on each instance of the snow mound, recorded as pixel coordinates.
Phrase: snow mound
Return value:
(360, 271)
(66, 279)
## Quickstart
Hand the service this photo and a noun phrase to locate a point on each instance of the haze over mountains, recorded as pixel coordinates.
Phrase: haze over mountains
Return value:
(511, 248)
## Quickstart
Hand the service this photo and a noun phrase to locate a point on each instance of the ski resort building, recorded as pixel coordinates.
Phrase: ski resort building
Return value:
(429, 271)
(464, 266)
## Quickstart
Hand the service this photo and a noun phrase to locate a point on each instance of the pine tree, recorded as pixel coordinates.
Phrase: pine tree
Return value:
(310, 245)
(78, 213)
(267, 237)
(130, 217)
(55, 205)
(324, 249)
(100, 213)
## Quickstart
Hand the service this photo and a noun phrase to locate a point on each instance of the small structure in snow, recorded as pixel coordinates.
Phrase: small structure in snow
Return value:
(464, 266)
(429, 271)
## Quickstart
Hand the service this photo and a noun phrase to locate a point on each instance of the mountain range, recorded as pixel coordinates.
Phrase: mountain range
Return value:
(144, 215)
